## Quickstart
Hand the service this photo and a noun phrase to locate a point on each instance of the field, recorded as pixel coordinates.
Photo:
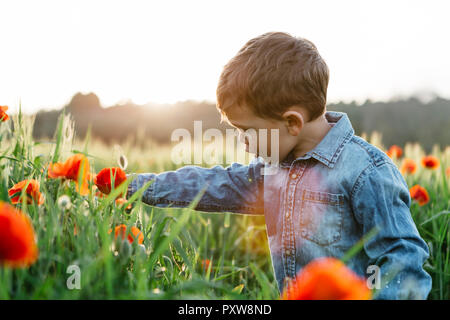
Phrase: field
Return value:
(187, 254)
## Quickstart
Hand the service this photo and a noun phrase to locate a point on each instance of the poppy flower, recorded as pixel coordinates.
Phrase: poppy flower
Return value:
(430, 162)
(205, 264)
(121, 201)
(99, 194)
(447, 172)
(103, 179)
(326, 279)
(132, 233)
(31, 192)
(408, 166)
(3, 115)
(419, 194)
(395, 151)
(17, 239)
(74, 167)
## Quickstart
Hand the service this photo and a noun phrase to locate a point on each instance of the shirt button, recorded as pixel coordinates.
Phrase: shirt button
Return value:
(288, 252)
(287, 214)
(293, 176)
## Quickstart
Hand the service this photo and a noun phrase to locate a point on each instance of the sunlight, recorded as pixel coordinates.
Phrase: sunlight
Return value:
(165, 52)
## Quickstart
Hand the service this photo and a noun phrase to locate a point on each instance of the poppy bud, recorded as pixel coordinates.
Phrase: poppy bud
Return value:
(125, 250)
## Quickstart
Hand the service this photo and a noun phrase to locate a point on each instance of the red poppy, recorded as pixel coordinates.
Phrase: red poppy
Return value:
(205, 264)
(326, 279)
(103, 179)
(17, 239)
(121, 201)
(99, 194)
(3, 115)
(419, 194)
(132, 234)
(74, 167)
(408, 166)
(31, 192)
(430, 162)
(395, 151)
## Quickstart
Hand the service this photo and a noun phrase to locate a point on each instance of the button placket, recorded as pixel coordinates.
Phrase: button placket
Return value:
(288, 235)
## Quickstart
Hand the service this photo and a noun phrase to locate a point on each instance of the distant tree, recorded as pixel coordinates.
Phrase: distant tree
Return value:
(399, 121)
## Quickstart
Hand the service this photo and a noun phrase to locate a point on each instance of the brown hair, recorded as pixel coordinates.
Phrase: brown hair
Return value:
(273, 72)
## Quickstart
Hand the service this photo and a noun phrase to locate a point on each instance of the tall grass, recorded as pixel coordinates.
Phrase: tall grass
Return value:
(176, 240)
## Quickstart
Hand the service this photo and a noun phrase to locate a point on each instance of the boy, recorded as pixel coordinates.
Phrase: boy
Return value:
(332, 187)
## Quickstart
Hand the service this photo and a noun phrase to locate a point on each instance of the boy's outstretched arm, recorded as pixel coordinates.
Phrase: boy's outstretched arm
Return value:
(237, 188)
(381, 199)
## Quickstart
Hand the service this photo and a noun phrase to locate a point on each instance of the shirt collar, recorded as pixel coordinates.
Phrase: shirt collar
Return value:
(331, 146)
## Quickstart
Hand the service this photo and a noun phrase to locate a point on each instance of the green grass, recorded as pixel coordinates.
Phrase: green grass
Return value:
(176, 240)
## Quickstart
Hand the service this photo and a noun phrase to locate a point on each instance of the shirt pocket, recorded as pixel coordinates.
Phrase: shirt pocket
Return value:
(321, 216)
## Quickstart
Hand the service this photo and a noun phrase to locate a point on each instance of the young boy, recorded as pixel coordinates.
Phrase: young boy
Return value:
(332, 187)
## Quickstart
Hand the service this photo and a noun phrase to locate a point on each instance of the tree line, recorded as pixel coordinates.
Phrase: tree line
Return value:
(400, 121)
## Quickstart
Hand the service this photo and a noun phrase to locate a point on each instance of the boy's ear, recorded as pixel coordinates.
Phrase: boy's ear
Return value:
(294, 122)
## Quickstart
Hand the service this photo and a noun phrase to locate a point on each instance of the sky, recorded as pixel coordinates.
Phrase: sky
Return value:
(169, 51)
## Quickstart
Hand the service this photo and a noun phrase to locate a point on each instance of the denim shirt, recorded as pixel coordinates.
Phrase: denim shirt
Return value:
(320, 204)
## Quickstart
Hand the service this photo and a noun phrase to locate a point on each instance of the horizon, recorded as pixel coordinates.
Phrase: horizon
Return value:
(165, 53)
(426, 98)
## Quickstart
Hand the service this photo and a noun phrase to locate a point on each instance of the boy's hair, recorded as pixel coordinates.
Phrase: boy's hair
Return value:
(273, 72)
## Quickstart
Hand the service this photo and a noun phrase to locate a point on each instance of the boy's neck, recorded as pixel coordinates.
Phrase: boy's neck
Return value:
(311, 134)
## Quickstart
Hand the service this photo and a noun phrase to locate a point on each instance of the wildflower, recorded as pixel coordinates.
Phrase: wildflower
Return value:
(74, 167)
(99, 194)
(121, 201)
(419, 194)
(64, 202)
(132, 234)
(395, 151)
(430, 162)
(408, 166)
(103, 179)
(17, 238)
(205, 264)
(32, 192)
(3, 115)
(447, 172)
(326, 279)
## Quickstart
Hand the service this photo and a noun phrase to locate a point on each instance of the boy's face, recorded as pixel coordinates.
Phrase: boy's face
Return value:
(243, 119)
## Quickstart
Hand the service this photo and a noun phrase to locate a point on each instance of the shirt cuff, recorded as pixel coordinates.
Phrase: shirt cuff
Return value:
(131, 189)
(137, 181)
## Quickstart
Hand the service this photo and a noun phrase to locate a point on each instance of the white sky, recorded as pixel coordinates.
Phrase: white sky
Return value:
(166, 51)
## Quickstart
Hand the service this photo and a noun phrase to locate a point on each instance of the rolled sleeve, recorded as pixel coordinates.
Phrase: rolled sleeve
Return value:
(237, 188)
(381, 199)
(139, 180)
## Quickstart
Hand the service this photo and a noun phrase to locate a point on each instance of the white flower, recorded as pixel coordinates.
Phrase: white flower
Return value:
(64, 202)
